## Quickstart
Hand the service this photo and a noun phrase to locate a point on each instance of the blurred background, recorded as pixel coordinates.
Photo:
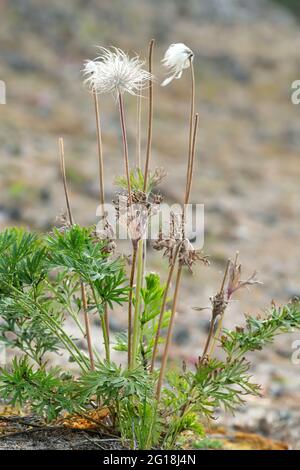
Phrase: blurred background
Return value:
(247, 170)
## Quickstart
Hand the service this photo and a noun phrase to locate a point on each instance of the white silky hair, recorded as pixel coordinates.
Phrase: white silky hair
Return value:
(113, 71)
(176, 59)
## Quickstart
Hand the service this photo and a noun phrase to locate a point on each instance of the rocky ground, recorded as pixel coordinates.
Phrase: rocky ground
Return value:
(247, 172)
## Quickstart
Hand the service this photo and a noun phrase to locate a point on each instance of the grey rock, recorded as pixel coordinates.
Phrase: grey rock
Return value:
(181, 336)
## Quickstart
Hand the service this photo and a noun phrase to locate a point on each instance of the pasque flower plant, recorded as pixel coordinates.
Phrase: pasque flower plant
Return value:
(75, 273)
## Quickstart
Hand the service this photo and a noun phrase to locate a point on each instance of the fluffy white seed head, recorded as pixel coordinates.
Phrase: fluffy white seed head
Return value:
(177, 58)
(115, 72)
(90, 72)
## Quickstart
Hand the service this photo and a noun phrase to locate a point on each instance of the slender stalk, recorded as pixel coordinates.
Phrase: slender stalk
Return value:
(209, 337)
(179, 272)
(143, 245)
(131, 282)
(190, 167)
(169, 335)
(125, 145)
(193, 149)
(55, 327)
(73, 315)
(136, 319)
(64, 178)
(220, 322)
(87, 326)
(134, 252)
(192, 113)
(100, 152)
(213, 319)
(162, 309)
(101, 182)
(103, 325)
(83, 291)
(150, 115)
(64, 337)
(213, 340)
(138, 132)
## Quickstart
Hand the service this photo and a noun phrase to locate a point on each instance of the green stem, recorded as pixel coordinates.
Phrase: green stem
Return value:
(150, 116)
(131, 282)
(72, 314)
(136, 319)
(103, 325)
(68, 343)
(163, 307)
(62, 335)
(169, 335)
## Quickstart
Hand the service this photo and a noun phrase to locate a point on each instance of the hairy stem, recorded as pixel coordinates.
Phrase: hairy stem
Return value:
(192, 161)
(125, 145)
(131, 283)
(162, 309)
(179, 272)
(56, 329)
(220, 321)
(169, 335)
(101, 182)
(138, 132)
(87, 326)
(64, 178)
(192, 113)
(136, 319)
(103, 324)
(150, 116)
(100, 152)
(209, 337)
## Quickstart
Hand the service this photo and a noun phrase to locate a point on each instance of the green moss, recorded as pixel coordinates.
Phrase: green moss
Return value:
(208, 443)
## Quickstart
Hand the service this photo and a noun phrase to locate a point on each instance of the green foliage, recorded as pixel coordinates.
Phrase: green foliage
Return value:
(26, 331)
(224, 384)
(34, 302)
(112, 383)
(213, 385)
(189, 421)
(121, 342)
(207, 443)
(152, 296)
(23, 268)
(140, 424)
(40, 288)
(137, 180)
(48, 392)
(22, 259)
(77, 251)
(261, 331)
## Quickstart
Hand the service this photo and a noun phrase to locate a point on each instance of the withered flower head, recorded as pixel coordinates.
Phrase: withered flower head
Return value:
(170, 243)
(135, 215)
(219, 304)
(188, 256)
(105, 232)
(63, 221)
(175, 243)
(234, 278)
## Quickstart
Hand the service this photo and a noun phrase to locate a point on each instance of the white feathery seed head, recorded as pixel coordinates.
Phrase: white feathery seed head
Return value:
(115, 72)
(90, 72)
(177, 58)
